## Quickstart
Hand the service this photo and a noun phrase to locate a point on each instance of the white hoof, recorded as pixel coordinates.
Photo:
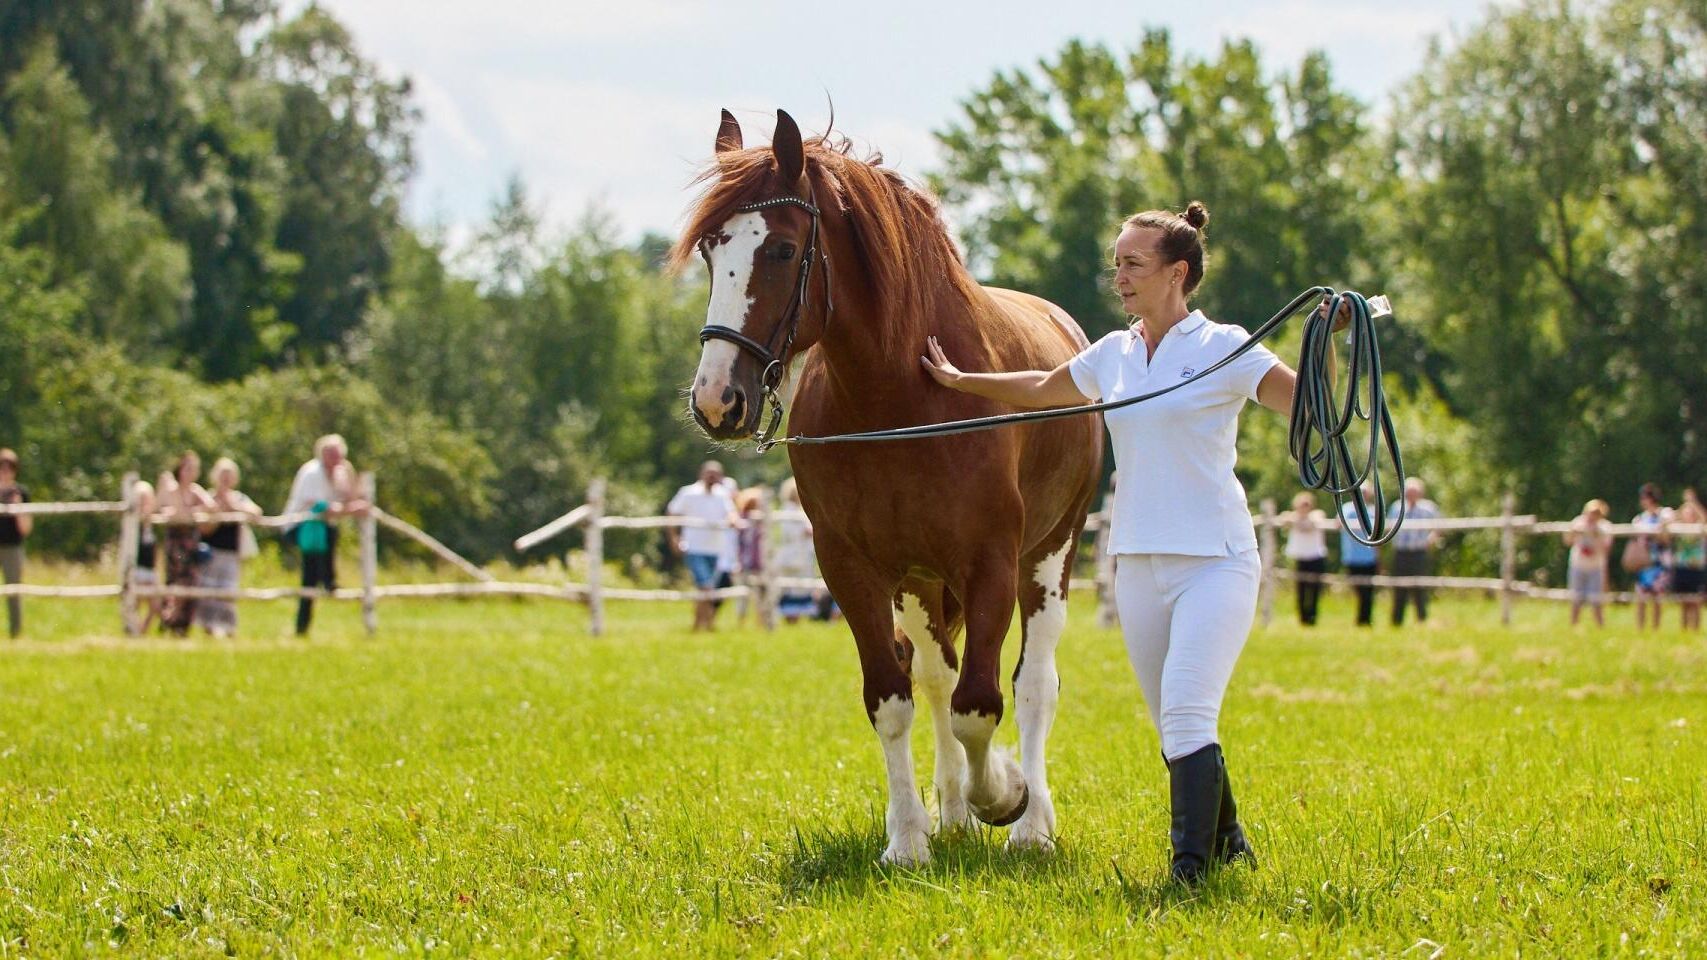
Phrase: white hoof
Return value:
(1007, 801)
(911, 849)
(1035, 830)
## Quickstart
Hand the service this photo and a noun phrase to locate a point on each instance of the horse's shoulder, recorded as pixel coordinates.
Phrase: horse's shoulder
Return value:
(1028, 307)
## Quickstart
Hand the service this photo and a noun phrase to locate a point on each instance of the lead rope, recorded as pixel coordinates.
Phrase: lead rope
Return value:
(1318, 441)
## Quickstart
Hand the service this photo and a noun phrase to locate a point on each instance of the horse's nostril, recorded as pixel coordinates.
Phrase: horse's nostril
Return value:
(737, 406)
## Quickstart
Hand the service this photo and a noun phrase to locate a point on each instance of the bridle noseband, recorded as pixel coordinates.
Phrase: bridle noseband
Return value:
(776, 359)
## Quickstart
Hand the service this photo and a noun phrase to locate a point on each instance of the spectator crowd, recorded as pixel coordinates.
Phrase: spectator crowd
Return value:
(194, 536)
(198, 534)
(1665, 560)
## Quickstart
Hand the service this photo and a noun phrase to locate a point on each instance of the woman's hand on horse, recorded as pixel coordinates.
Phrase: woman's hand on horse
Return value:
(936, 363)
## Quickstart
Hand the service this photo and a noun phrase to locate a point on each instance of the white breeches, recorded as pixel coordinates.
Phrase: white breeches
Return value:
(1185, 620)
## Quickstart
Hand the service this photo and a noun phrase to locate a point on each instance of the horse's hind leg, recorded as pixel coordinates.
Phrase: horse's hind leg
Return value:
(996, 789)
(929, 619)
(1044, 574)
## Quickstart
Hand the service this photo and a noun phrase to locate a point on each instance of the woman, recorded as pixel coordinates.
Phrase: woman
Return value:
(1307, 548)
(183, 541)
(143, 574)
(1653, 546)
(1187, 571)
(793, 555)
(223, 569)
(751, 504)
(1590, 541)
(1689, 560)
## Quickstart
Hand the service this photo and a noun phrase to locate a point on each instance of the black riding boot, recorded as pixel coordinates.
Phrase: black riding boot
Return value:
(1195, 785)
(1230, 843)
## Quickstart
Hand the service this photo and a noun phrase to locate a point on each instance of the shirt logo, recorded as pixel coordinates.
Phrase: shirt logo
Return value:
(1186, 372)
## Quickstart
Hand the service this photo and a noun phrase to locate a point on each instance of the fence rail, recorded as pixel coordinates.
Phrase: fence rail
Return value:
(765, 588)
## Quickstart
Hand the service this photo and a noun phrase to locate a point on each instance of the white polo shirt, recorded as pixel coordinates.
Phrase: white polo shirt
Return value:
(311, 486)
(1174, 455)
(715, 504)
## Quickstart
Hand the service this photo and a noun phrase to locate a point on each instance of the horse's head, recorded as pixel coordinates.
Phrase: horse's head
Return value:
(761, 258)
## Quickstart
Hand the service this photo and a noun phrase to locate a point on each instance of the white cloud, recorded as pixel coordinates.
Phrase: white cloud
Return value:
(1361, 36)
(616, 102)
(579, 143)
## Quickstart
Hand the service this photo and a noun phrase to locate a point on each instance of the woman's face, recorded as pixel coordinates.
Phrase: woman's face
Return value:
(191, 471)
(225, 479)
(1140, 277)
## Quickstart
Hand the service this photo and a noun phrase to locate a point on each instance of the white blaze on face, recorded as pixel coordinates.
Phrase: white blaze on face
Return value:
(731, 256)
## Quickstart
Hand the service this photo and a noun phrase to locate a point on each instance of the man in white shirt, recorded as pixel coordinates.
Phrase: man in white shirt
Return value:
(325, 486)
(707, 499)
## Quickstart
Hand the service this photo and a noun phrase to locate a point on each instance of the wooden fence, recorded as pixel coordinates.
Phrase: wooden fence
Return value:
(764, 588)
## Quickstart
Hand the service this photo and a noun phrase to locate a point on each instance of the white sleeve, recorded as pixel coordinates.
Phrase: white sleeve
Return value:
(293, 503)
(1087, 367)
(1245, 373)
(674, 508)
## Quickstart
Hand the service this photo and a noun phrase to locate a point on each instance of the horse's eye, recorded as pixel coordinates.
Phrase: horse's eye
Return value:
(783, 251)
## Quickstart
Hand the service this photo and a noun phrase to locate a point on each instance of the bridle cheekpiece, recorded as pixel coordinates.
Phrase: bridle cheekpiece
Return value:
(776, 358)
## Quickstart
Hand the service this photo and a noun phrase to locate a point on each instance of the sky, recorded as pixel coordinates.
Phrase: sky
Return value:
(614, 103)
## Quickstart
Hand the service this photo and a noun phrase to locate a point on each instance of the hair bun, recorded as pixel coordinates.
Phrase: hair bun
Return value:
(1196, 214)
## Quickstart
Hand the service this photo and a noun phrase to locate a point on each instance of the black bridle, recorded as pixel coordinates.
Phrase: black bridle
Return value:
(774, 358)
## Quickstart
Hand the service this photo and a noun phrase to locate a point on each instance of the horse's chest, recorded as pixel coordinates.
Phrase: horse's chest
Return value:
(901, 517)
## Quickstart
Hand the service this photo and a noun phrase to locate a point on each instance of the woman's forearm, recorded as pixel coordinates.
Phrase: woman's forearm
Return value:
(1022, 388)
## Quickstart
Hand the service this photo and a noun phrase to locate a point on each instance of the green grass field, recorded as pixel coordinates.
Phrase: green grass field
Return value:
(485, 779)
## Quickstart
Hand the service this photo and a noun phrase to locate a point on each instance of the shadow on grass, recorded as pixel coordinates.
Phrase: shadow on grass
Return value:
(1148, 892)
(842, 860)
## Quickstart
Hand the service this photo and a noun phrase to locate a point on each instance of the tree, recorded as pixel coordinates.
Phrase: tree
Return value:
(57, 168)
(343, 133)
(1043, 167)
(1550, 163)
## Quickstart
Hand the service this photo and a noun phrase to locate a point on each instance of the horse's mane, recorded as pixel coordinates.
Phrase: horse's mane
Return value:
(898, 231)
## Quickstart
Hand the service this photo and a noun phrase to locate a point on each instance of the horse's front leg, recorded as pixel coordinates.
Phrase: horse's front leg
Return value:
(996, 788)
(865, 601)
(922, 616)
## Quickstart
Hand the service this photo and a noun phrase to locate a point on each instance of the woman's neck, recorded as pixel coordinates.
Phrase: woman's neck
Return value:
(1155, 324)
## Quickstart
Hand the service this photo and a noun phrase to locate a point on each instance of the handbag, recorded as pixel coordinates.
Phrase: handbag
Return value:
(311, 535)
(1635, 557)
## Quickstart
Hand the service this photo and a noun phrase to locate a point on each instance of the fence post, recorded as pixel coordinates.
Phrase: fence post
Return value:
(130, 532)
(1106, 611)
(1265, 547)
(596, 557)
(1508, 556)
(370, 557)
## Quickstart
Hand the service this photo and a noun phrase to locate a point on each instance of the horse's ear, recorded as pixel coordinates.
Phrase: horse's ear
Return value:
(790, 152)
(728, 133)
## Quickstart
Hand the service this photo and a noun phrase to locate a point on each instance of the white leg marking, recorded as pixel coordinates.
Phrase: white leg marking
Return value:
(908, 824)
(933, 675)
(1036, 691)
(731, 265)
(994, 784)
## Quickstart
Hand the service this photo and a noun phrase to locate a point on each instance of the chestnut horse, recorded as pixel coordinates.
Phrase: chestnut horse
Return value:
(915, 538)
